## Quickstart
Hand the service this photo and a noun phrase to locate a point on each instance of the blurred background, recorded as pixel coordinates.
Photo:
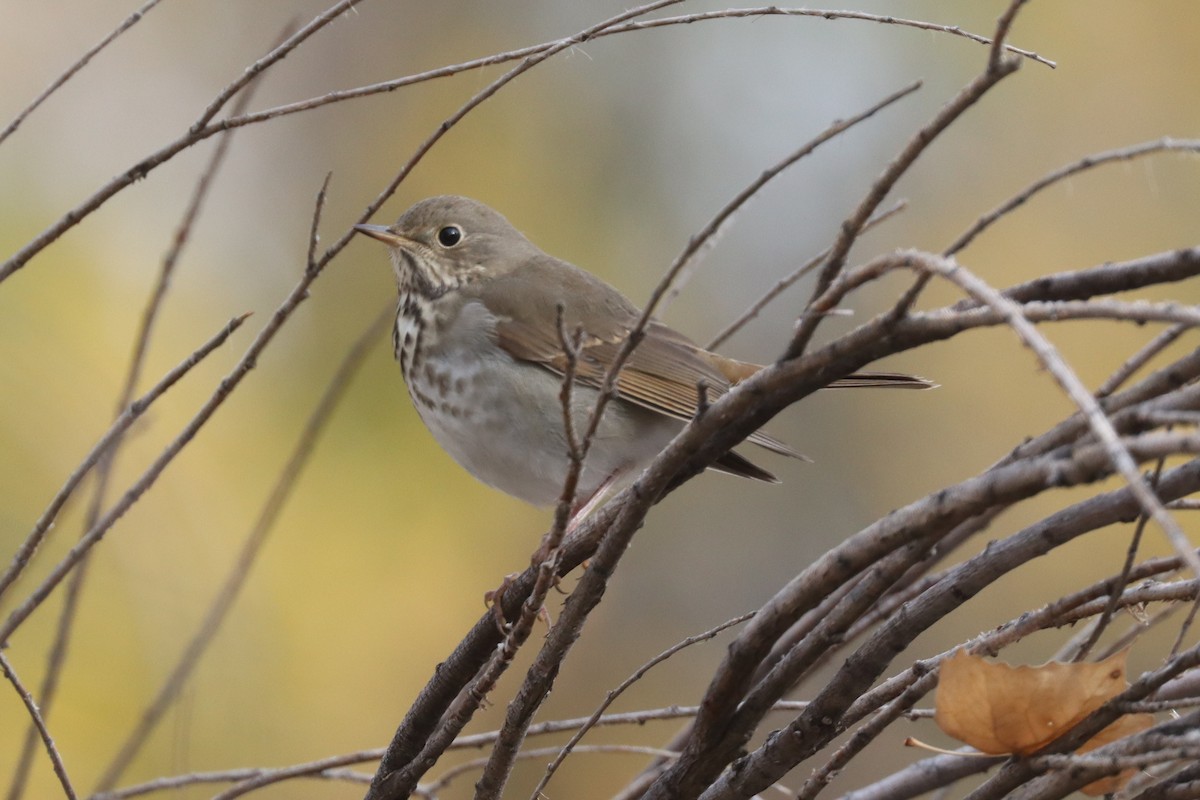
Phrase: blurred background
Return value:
(610, 155)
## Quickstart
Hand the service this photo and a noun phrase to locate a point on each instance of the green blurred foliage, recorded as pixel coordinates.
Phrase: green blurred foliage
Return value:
(610, 156)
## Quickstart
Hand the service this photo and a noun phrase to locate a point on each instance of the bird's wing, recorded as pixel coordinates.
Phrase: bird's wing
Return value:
(662, 373)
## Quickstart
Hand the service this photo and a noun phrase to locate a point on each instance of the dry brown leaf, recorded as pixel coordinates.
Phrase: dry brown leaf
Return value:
(1000, 709)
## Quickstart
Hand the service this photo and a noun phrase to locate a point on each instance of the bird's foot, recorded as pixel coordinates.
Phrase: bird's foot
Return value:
(494, 600)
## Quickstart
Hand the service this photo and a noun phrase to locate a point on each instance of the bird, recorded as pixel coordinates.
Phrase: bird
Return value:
(479, 335)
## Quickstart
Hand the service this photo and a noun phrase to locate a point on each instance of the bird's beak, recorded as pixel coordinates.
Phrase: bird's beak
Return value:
(382, 233)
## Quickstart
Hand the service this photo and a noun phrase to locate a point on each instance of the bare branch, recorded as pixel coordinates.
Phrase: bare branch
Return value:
(1118, 584)
(1097, 419)
(566, 749)
(763, 11)
(852, 227)
(696, 243)
(541, 752)
(1003, 27)
(1082, 165)
(197, 133)
(807, 733)
(1139, 359)
(40, 724)
(97, 531)
(82, 62)
(204, 126)
(784, 283)
(832, 634)
(27, 549)
(290, 41)
(211, 623)
(58, 650)
(576, 450)
(255, 778)
(314, 233)
(537, 49)
(867, 734)
(246, 778)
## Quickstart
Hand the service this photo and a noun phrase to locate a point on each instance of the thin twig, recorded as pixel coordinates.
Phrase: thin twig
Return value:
(70, 71)
(1003, 26)
(1097, 629)
(764, 11)
(852, 227)
(198, 132)
(576, 450)
(537, 49)
(786, 282)
(135, 410)
(325, 766)
(613, 694)
(204, 127)
(866, 734)
(1140, 625)
(1097, 420)
(1185, 628)
(147, 479)
(626, 718)
(314, 229)
(538, 679)
(541, 752)
(279, 50)
(231, 587)
(56, 658)
(697, 242)
(261, 776)
(40, 724)
(1082, 165)
(1140, 359)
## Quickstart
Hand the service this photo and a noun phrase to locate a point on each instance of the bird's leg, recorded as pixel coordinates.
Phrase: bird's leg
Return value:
(579, 513)
(582, 509)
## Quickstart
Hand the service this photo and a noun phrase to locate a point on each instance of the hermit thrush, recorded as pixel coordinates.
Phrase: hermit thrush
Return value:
(478, 340)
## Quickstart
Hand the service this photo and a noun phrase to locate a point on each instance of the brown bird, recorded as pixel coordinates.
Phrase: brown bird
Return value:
(478, 340)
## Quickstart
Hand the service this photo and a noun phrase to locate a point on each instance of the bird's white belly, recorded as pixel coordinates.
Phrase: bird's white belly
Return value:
(502, 421)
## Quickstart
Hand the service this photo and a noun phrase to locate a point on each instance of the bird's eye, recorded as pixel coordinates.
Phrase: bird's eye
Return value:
(449, 236)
